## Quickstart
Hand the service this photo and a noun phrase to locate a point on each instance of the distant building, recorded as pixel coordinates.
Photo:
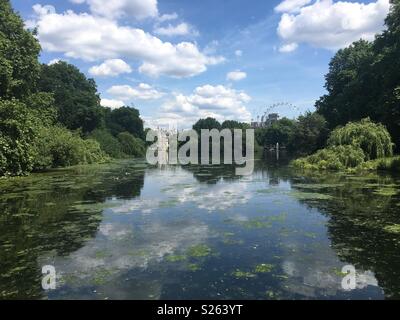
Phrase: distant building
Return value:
(265, 121)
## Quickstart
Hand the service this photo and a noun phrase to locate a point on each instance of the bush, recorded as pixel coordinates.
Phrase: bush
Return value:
(108, 143)
(17, 131)
(131, 145)
(332, 158)
(384, 164)
(92, 152)
(59, 147)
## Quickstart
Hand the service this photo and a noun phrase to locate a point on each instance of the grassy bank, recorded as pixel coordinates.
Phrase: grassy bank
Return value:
(389, 164)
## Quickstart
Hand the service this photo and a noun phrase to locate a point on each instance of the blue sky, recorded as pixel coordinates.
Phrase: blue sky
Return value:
(179, 60)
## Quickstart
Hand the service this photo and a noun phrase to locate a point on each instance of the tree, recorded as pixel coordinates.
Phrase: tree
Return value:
(348, 84)
(19, 51)
(131, 145)
(208, 123)
(75, 96)
(232, 124)
(108, 143)
(310, 134)
(386, 69)
(125, 119)
(372, 138)
(41, 105)
(280, 132)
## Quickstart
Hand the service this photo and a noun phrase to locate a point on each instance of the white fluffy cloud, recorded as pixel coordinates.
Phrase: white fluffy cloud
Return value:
(54, 61)
(181, 29)
(236, 75)
(288, 47)
(331, 25)
(143, 91)
(167, 17)
(111, 103)
(91, 38)
(218, 102)
(110, 68)
(291, 5)
(138, 9)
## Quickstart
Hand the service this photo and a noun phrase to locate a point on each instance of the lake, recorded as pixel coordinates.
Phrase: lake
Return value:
(126, 230)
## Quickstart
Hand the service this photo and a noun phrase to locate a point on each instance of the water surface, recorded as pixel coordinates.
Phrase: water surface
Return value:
(128, 231)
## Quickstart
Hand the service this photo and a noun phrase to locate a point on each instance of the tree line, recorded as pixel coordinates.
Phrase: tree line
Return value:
(50, 115)
(302, 136)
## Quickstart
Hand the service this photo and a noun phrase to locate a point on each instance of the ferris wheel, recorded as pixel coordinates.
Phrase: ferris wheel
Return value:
(262, 112)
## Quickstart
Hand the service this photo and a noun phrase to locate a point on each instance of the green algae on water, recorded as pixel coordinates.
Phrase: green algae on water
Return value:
(175, 258)
(318, 186)
(242, 274)
(101, 276)
(193, 267)
(199, 251)
(310, 195)
(386, 191)
(339, 272)
(263, 268)
(395, 229)
(256, 224)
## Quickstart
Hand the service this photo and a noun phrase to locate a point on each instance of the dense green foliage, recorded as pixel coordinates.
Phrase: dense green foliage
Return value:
(208, 123)
(372, 138)
(345, 82)
(384, 164)
(125, 119)
(310, 134)
(131, 145)
(231, 124)
(122, 146)
(281, 132)
(40, 104)
(350, 147)
(211, 123)
(17, 131)
(108, 143)
(19, 52)
(364, 80)
(332, 158)
(59, 147)
(302, 136)
(75, 96)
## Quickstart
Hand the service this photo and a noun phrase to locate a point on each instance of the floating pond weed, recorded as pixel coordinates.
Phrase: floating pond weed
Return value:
(263, 268)
(395, 229)
(239, 274)
(199, 251)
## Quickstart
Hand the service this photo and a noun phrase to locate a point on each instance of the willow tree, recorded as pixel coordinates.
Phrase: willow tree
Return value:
(372, 138)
